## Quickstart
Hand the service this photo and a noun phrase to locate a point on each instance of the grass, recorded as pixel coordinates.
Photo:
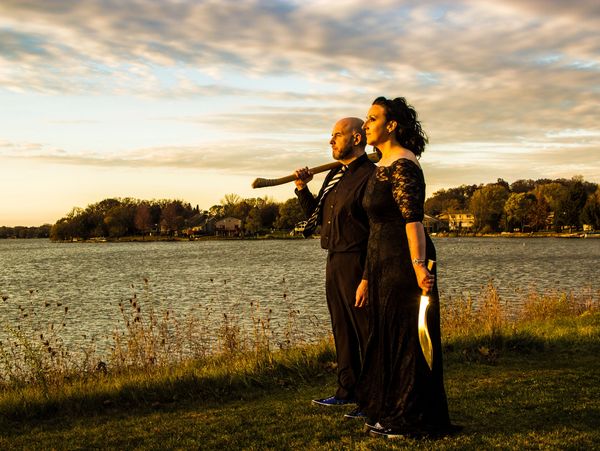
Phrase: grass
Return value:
(546, 397)
(526, 383)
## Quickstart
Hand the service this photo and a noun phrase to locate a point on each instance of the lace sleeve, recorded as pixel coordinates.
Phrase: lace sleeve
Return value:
(408, 188)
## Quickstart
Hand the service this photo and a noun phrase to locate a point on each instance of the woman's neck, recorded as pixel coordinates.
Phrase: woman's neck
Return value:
(392, 151)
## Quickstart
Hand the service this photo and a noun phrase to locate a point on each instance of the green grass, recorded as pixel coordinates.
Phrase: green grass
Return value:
(533, 385)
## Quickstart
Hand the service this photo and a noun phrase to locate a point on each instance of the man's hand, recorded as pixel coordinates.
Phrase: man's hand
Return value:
(362, 294)
(303, 176)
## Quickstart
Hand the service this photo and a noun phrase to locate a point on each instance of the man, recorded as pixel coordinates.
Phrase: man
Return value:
(344, 233)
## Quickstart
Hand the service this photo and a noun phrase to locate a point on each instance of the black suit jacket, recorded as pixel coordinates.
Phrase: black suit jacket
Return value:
(344, 222)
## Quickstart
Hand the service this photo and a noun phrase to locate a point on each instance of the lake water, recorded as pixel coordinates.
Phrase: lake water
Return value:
(225, 277)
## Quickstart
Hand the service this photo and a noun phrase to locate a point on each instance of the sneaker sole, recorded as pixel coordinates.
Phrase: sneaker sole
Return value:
(380, 434)
(354, 417)
(343, 404)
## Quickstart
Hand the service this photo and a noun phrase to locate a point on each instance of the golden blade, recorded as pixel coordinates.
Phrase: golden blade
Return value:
(424, 338)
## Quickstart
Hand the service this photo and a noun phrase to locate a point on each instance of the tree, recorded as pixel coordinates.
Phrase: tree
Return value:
(522, 186)
(487, 206)
(143, 218)
(290, 213)
(229, 203)
(574, 202)
(451, 200)
(539, 214)
(554, 194)
(268, 214)
(241, 210)
(518, 209)
(172, 216)
(60, 230)
(253, 222)
(217, 211)
(69, 227)
(590, 214)
(120, 220)
(503, 183)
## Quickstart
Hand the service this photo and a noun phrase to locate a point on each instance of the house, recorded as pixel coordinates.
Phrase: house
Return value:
(209, 225)
(298, 228)
(458, 221)
(433, 225)
(193, 231)
(228, 226)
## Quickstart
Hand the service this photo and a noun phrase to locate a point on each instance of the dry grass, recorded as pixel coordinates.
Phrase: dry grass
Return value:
(553, 304)
(481, 331)
(149, 335)
(489, 316)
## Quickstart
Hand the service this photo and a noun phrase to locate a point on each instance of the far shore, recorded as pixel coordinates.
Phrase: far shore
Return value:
(287, 236)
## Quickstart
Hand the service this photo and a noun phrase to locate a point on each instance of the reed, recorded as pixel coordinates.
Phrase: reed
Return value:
(170, 382)
(482, 329)
(150, 335)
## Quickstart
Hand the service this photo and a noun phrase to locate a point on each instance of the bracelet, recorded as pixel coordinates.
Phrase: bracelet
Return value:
(418, 261)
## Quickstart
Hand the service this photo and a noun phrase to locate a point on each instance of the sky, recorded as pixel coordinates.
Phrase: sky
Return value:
(193, 99)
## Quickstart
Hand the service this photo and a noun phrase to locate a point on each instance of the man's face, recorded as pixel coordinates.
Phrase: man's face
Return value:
(341, 141)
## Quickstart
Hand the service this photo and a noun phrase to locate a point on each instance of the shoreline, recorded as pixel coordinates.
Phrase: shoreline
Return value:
(137, 239)
(153, 239)
(517, 235)
(287, 236)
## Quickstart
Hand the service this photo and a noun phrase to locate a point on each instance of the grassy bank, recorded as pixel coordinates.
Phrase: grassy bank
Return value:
(529, 384)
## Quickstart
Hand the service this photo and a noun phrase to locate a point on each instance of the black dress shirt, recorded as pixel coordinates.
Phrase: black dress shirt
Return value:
(344, 222)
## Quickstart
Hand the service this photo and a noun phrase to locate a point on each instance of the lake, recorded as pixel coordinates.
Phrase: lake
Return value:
(276, 276)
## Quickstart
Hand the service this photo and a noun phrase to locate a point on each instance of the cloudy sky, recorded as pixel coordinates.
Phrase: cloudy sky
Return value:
(193, 99)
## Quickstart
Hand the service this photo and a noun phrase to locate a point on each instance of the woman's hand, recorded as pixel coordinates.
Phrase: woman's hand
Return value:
(362, 296)
(425, 279)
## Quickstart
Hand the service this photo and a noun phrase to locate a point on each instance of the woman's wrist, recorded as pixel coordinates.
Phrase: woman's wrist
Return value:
(418, 262)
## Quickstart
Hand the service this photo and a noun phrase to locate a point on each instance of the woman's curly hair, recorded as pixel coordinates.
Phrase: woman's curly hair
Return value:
(409, 133)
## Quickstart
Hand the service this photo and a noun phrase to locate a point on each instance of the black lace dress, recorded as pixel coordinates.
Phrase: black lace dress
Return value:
(397, 388)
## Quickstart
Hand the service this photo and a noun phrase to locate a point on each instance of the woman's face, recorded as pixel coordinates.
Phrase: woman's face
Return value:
(375, 126)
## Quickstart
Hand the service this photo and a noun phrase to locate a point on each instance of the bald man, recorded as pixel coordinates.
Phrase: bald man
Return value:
(344, 232)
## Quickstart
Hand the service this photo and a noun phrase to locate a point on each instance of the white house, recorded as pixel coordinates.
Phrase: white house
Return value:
(228, 226)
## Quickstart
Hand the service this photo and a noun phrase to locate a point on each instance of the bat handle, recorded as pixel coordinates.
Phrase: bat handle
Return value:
(430, 267)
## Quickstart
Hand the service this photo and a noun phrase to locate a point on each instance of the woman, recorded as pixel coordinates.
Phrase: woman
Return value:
(398, 392)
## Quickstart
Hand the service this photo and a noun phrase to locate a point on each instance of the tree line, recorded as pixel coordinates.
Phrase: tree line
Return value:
(25, 232)
(532, 205)
(116, 218)
(525, 205)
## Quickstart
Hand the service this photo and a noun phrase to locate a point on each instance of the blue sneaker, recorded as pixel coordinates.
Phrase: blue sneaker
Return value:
(356, 414)
(333, 401)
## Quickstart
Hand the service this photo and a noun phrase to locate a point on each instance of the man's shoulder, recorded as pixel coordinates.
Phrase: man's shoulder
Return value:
(365, 167)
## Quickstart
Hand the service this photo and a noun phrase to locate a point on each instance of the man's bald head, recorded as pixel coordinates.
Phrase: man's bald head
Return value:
(354, 125)
(348, 139)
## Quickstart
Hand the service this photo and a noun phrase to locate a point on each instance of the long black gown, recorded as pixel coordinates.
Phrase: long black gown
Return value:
(397, 388)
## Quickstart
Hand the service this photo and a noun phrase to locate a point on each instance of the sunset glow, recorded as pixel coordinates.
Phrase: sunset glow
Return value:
(195, 99)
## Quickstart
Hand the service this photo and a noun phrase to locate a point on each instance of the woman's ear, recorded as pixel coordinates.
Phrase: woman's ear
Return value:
(391, 126)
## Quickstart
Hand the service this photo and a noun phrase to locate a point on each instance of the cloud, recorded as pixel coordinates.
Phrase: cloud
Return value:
(523, 73)
(242, 157)
(303, 37)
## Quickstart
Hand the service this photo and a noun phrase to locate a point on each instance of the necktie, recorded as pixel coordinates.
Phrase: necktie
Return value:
(311, 224)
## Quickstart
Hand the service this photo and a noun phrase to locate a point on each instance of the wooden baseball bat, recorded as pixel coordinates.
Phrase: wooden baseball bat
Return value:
(262, 183)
